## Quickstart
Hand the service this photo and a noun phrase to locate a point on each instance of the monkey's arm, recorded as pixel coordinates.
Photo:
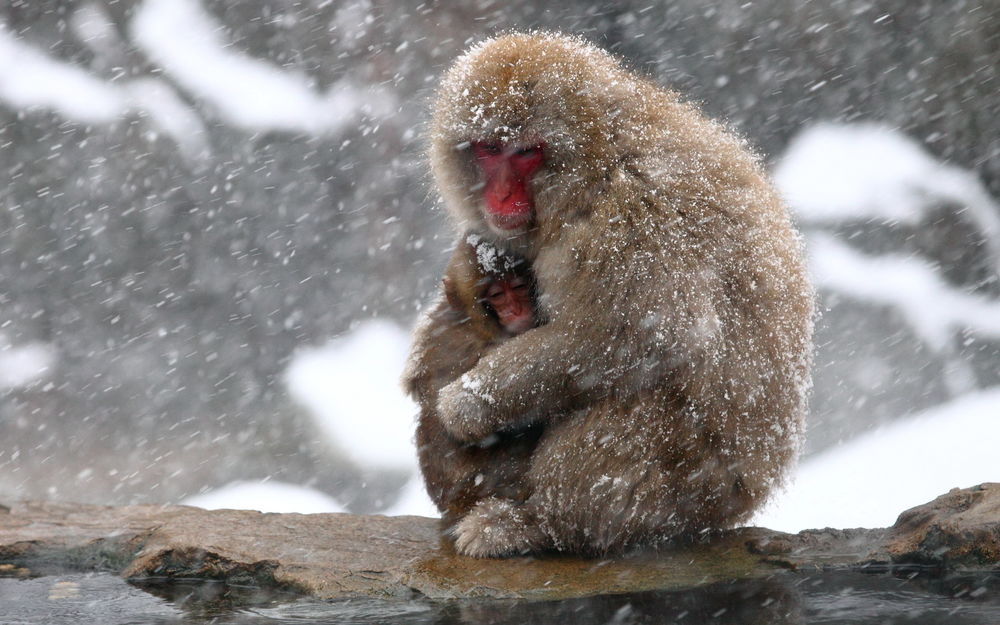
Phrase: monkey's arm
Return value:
(443, 348)
(527, 377)
(570, 363)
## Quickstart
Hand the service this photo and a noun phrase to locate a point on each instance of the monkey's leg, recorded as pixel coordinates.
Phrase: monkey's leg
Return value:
(497, 528)
(617, 475)
(628, 473)
(448, 470)
(585, 481)
(459, 475)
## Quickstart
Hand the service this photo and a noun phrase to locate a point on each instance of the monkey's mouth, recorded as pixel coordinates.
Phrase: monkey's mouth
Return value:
(510, 221)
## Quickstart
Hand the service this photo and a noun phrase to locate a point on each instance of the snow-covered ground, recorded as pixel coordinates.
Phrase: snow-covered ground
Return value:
(833, 173)
(869, 480)
(249, 93)
(266, 497)
(25, 364)
(351, 388)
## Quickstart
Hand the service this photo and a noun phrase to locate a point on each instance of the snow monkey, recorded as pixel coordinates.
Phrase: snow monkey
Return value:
(671, 375)
(487, 297)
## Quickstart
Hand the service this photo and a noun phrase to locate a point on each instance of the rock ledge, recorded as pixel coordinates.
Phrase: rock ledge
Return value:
(342, 555)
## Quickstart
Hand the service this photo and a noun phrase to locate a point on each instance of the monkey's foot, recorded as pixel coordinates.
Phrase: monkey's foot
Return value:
(463, 411)
(496, 528)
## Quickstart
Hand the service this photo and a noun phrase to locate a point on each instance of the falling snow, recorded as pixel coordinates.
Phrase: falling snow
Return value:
(216, 231)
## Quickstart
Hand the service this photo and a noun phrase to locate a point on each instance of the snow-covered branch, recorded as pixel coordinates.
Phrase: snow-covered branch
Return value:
(30, 79)
(834, 173)
(250, 93)
(934, 309)
(180, 37)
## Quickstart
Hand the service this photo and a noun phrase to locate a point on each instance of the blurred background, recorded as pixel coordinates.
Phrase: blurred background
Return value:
(217, 227)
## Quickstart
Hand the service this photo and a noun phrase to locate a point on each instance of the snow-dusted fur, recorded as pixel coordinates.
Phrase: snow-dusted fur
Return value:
(671, 377)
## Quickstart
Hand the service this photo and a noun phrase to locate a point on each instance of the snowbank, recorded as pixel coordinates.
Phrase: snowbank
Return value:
(26, 364)
(351, 387)
(265, 497)
(868, 481)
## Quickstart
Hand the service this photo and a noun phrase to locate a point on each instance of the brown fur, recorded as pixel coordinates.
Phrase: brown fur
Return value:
(678, 345)
(452, 338)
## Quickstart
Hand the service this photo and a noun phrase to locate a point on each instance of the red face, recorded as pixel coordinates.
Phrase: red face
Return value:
(510, 299)
(506, 171)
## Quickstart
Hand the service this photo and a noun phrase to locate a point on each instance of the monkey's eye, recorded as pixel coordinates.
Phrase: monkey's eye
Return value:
(494, 291)
(527, 159)
(484, 149)
(518, 283)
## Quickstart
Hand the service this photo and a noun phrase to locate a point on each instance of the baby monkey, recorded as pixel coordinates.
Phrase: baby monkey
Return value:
(488, 296)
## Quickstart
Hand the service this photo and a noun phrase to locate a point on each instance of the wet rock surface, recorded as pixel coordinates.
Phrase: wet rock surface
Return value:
(342, 555)
(958, 529)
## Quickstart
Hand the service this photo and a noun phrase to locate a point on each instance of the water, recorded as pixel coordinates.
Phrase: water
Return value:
(834, 598)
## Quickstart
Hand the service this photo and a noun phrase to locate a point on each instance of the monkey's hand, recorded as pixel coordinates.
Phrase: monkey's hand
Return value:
(463, 408)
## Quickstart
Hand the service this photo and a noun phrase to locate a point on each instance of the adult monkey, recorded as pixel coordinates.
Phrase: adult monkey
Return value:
(677, 350)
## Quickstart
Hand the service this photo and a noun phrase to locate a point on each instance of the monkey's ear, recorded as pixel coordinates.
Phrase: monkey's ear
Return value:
(451, 293)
